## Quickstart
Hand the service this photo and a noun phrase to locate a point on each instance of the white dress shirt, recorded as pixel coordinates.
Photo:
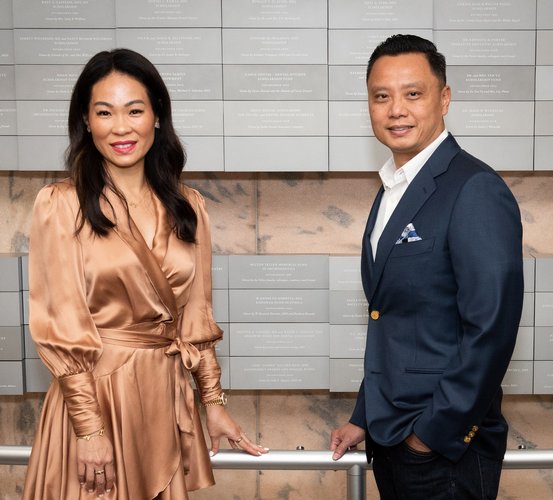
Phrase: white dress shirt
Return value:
(395, 182)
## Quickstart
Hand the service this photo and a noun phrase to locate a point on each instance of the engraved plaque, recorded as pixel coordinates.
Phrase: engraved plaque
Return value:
(460, 14)
(8, 118)
(279, 339)
(501, 153)
(544, 273)
(8, 152)
(346, 375)
(219, 272)
(282, 46)
(68, 46)
(222, 348)
(11, 343)
(356, 46)
(487, 47)
(278, 271)
(198, 117)
(37, 376)
(269, 14)
(6, 47)
(11, 378)
(348, 341)
(527, 317)
(30, 348)
(278, 306)
(347, 83)
(279, 373)
(168, 13)
(545, 15)
(7, 83)
(376, 14)
(349, 119)
(10, 309)
(205, 154)
(345, 273)
(543, 377)
(46, 82)
(529, 266)
(490, 118)
(192, 81)
(542, 150)
(220, 306)
(544, 309)
(276, 154)
(544, 118)
(364, 154)
(42, 117)
(518, 379)
(544, 53)
(275, 82)
(544, 83)
(51, 152)
(524, 348)
(174, 46)
(348, 307)
(10, 273)
(6, 16)
(276, 118)
(544, 343)
(64, 14)
(491, 83)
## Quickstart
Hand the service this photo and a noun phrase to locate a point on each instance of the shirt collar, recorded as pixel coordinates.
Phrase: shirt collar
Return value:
(391, 176)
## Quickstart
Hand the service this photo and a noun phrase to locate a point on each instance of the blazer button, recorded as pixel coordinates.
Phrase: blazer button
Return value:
(467, 439)
(475, 428)
(375, 315)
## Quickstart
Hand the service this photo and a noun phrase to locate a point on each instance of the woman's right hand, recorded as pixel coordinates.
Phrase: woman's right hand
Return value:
(95, 464)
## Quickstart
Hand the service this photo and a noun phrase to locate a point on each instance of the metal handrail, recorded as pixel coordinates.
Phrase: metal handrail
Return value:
(355, 462)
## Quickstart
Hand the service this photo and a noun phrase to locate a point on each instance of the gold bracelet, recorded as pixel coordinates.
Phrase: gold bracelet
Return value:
(219, 400)
(92, 434)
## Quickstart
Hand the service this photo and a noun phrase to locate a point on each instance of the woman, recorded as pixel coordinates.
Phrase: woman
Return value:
(120, 302)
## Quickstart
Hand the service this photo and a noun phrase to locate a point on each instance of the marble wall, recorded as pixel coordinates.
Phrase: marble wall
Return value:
(291, 213)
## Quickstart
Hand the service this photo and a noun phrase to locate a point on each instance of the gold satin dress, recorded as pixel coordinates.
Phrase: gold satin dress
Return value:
(122, 328)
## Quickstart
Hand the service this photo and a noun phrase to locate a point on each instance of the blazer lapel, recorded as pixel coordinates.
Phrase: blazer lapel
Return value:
(367, 261)
(420, 189)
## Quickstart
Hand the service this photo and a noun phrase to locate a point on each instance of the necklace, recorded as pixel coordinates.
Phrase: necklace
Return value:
(139, 201)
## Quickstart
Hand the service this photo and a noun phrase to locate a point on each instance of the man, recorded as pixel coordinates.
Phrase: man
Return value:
(442, 272)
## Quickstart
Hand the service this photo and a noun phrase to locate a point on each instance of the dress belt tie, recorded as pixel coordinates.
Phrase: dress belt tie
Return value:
(143, 336)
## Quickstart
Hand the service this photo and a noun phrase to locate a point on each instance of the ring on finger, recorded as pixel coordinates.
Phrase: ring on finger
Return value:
(99, 472)
(238, 440)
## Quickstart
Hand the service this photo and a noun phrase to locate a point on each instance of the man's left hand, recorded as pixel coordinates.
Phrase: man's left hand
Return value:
(416, 444)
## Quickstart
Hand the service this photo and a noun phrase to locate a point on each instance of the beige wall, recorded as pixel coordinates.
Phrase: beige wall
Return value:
(291, 213)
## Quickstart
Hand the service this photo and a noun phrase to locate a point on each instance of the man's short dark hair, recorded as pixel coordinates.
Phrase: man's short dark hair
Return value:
(408, 44)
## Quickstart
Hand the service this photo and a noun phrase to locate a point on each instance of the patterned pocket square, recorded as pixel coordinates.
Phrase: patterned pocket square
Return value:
(408, 235)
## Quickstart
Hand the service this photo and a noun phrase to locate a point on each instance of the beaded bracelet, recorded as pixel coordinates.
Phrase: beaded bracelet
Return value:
(92, 434)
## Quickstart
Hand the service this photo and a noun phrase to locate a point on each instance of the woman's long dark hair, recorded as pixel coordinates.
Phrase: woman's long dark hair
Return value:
(163, 163)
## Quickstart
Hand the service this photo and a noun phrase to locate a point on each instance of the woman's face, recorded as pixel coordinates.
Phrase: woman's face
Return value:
(121, 120)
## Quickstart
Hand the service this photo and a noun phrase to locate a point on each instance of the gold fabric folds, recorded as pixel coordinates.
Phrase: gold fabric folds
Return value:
(79, 393)
(122, 327)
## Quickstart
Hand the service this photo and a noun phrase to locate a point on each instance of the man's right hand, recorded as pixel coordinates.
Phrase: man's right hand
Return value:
(349, 435)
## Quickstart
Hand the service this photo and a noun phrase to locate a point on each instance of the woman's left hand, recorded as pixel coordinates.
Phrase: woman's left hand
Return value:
(220, 424)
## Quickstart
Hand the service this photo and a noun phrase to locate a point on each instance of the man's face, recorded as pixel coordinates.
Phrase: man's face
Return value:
(407, 104)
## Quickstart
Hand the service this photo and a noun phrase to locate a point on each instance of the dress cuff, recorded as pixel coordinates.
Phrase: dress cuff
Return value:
(79, 393)
(208, 375)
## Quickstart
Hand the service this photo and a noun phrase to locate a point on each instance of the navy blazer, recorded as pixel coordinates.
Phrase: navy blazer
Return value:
(443, 311)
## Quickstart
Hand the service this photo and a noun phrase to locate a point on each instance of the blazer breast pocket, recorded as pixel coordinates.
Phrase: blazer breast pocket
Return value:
(413, 248)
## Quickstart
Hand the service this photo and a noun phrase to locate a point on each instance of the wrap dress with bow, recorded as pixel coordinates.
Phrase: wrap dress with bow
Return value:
(122, 327)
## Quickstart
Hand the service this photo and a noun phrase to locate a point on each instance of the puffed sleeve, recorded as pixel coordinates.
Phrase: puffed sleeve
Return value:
(61, 326)
(199, 327)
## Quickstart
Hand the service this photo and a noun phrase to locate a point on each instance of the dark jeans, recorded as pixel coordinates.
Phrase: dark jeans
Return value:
(402, 473)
